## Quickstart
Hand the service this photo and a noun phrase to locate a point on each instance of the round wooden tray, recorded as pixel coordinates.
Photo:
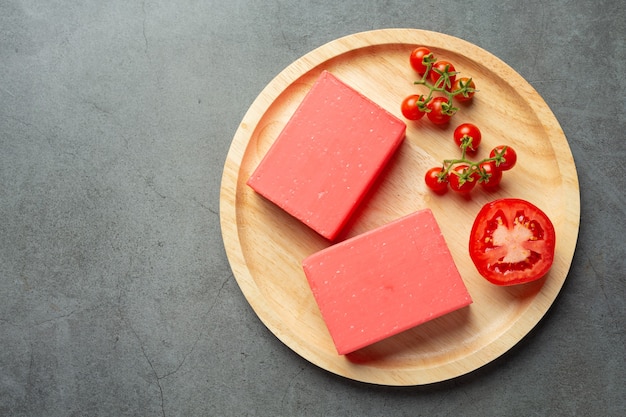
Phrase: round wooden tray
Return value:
(265, 246)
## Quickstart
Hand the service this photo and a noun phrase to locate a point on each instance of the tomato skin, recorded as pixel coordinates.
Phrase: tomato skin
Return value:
(512, 242)
(467, 130)
(436, 113)
(509, 154)
(416, 59)
(410, 109)
(443, 66)
(495, 176)
(460, 83)
(432, 179)
(461, 180)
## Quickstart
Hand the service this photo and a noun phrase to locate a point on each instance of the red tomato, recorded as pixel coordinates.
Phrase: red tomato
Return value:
(462, 180)
(434, 180)
(443, 67)
(507, 153)
(466, 131)
(417, 59)
(464, 83)
(437, 113)
(512, 242)
(410, 108)
(490, 175)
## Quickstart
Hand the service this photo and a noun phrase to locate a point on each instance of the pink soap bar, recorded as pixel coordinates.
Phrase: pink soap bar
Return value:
(385, 281)
(328, 155)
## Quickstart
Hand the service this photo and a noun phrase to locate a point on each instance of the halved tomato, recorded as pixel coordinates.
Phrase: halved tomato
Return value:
(512, 242)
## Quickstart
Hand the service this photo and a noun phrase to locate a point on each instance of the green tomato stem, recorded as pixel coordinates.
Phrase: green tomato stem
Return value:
(442, 86)
(473, 167)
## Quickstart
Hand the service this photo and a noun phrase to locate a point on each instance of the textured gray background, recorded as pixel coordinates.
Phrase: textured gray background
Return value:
(116, 297)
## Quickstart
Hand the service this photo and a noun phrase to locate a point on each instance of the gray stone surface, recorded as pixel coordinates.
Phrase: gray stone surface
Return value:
(116, 297)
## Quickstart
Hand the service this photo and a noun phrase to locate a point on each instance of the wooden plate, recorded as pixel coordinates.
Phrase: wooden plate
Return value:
(265, 246)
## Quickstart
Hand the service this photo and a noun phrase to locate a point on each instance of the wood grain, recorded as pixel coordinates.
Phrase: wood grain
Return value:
(265, 246)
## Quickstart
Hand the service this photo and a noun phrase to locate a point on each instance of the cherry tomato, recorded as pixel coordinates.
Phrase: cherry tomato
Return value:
(417, 59)
(437, 113)
(490, 176)
(462, 180)
(461, 83)
(465, 131)
(410, 108)
(512, 242)
(435, 182)
(508, 154)
(443, 67)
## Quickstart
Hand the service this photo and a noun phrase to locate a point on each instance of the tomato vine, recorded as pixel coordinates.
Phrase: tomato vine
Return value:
(440, 78)
(462, 174)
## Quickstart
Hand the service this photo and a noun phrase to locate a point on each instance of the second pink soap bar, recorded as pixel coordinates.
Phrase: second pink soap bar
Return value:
(328, 155)
(385, 281)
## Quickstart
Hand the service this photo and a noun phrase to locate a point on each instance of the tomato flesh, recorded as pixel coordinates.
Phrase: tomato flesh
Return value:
(512, 242)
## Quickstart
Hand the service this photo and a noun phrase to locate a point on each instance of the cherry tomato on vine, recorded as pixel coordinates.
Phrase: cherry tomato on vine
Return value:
(512, 242)
(464, 83)
(464, 132)
(417, 59)
(410, 109)
(437, 113)
(490, 175)
(462, 180)
(443, 67)
(508, 154)
(435, 182)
